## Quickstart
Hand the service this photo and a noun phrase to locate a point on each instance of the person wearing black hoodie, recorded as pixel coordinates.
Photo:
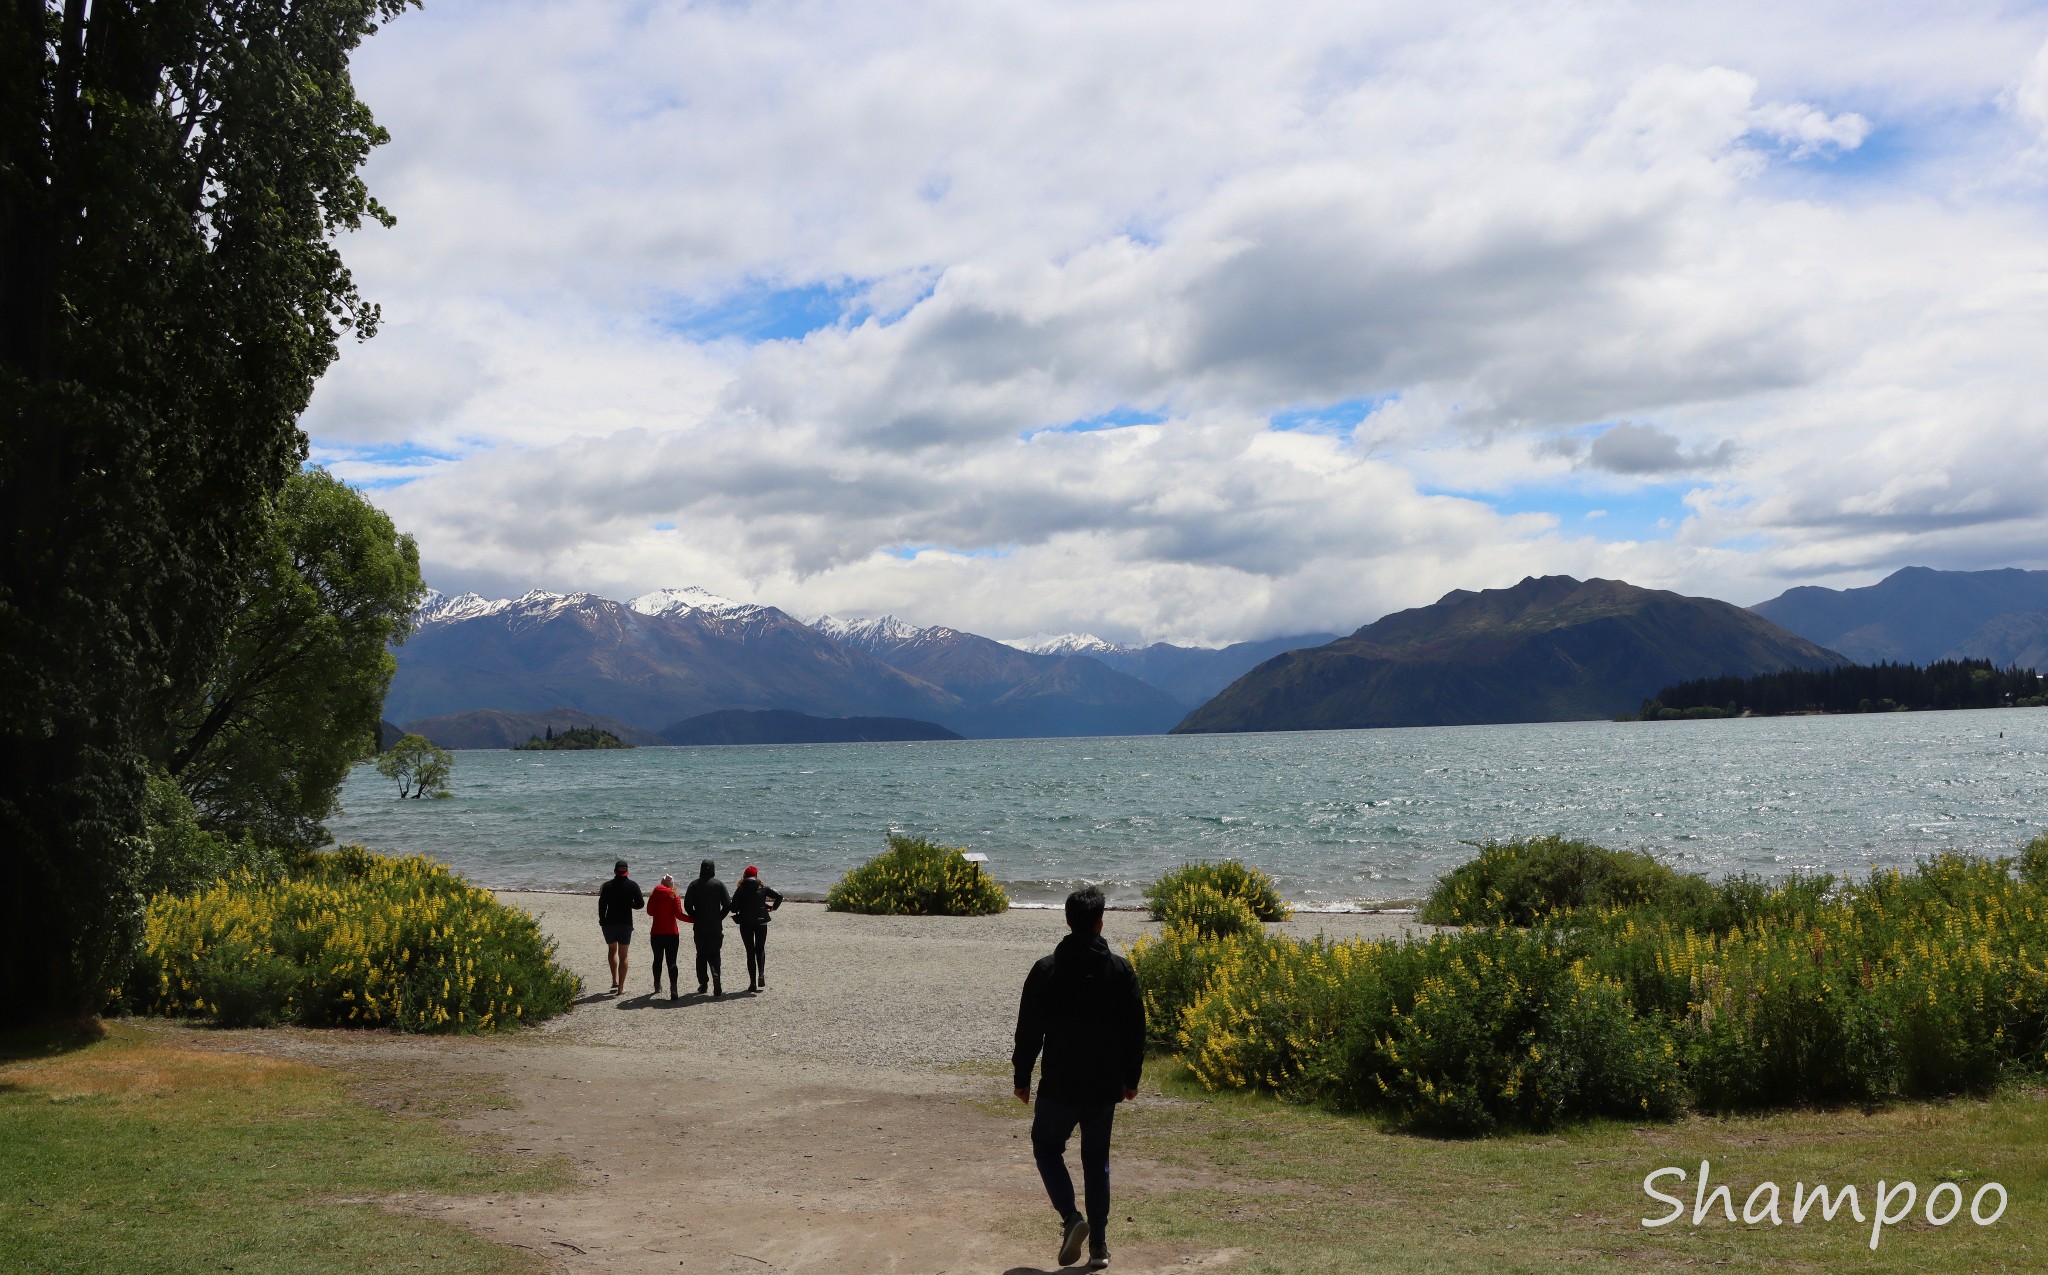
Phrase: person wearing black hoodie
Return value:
(1081, 1008)
(707, 902)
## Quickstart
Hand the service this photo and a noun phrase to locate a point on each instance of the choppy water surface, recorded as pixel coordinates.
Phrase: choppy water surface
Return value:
(1340, 818)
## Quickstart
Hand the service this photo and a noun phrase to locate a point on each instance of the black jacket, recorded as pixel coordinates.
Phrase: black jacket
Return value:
(753, 901)
(617, 900)
(1081, 1006)
(707, 903)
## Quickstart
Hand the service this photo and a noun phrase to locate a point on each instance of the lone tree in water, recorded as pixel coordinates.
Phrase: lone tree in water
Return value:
(172, 180)
(419, 765)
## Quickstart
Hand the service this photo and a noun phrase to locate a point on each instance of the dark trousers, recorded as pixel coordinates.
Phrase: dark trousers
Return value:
(709, 942)
(754, 938)
(1052, 1123)
(665, 948)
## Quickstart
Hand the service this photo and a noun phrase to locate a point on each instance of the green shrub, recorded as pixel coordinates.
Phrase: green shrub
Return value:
(914, 877)
(1741, 995)
(2033, 862)
(246, 986)
(1458, 1034)
(349, 938)
(1229, 877)
(1527, 881)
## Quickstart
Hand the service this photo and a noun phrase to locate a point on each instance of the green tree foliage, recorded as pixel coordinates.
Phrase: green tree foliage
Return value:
(296, 695)
(419, 766)
(575, 739)
(172, 180)
(1855, 688)
(183, 856)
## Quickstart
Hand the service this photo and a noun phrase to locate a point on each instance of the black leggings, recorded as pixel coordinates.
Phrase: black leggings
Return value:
(755, 939)
(665, 948)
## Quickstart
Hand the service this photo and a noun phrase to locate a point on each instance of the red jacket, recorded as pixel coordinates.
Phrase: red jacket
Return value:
(664, 909)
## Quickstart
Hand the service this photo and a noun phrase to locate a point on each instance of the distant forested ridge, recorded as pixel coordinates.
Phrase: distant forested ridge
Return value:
(575, 739)
(1854, 688)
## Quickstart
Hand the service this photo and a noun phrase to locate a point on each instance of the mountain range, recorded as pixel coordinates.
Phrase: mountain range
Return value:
(1548, 649)
(1917, 615)
(681, 653)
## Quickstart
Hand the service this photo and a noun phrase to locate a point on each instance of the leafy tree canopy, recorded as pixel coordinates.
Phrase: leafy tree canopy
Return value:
(419, 765)
(297, 693)
(173, 178)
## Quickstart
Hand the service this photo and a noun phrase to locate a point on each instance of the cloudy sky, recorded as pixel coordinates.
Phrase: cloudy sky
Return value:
(1200, 321)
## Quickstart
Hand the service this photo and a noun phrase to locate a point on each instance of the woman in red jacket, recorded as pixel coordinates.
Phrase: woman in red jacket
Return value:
(664, 910)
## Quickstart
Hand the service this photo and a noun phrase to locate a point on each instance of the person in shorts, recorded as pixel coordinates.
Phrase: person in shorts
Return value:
(617, 900)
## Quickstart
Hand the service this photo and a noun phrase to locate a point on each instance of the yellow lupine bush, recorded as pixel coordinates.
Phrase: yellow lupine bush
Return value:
(915, 877)
(1227, 877)
(1739, 994)
(352, 939)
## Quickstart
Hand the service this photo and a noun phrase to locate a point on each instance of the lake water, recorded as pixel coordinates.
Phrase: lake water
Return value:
(1339, 818)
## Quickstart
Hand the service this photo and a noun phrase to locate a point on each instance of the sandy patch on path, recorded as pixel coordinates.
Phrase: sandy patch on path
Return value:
(873, 990)
(847, 1119)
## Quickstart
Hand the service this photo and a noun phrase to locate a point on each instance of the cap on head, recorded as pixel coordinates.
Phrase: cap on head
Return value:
(667, 879)
(619, 868)
(1084, 909)
(751, 871)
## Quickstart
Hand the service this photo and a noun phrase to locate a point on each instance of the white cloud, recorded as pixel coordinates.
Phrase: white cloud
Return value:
(1659, 234)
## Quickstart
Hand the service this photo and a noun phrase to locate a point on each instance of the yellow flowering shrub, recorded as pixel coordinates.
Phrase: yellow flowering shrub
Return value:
(1227, 877)
(1730, 995)
(915, 877)
(350, 939)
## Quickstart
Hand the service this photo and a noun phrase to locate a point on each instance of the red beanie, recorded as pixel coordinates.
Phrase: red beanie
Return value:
(751, 871)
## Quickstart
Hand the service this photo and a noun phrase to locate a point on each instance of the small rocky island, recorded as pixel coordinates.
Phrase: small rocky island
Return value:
(576, 738)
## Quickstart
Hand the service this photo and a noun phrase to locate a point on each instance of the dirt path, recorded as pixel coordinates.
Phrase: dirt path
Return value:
(854, 1119)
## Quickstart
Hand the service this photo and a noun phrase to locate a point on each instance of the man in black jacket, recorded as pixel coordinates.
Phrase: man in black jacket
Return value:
(707, 902)
(1081, 1007)
(617, 900)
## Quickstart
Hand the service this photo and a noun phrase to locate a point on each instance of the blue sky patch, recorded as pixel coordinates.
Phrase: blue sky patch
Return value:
(1653, 511)
(758, 313)
(1116, 418)
(908, 552)
(370, 466)
(1332, 418)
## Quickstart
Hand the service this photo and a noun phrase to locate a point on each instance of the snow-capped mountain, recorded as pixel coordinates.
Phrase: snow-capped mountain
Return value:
(1064, 644)
(439, 608)
(677, 653)
(1011, 691)
(887, 632)
(692, 598)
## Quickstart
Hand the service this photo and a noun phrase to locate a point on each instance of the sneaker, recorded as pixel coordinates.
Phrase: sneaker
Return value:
(1075, 1231)
(1098, 1256)
(673, 994)
(703, 988)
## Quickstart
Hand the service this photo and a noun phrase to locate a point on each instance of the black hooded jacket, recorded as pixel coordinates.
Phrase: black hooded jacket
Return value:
(1081, 1007)
(707, 900)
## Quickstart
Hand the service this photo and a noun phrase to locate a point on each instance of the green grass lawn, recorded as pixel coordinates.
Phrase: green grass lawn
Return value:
(1301, 1191)
(135, 1151)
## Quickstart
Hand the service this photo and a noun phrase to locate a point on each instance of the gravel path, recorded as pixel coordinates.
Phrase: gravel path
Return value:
(890, 993)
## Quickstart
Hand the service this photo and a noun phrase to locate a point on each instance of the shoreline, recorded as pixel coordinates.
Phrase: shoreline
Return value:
(1014, 907)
